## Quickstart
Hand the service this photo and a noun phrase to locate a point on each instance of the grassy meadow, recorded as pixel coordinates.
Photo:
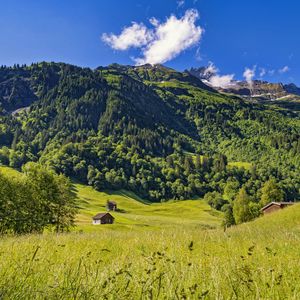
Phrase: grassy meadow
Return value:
(174, 250)
(136, 214)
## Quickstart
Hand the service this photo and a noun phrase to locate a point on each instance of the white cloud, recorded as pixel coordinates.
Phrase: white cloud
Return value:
(283, 70)
(198, 54)
(211, 69)
(180, 3)
(217, 80)
(171, 38)
(161, 44)
(136, 35)
(271, 72)
(249, 74)
(154, 21)
(222, 81)
(262, 72)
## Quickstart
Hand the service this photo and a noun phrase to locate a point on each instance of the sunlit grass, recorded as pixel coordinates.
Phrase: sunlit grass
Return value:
(136, 213)
(259, 260)
(240, 164)
(173, 250)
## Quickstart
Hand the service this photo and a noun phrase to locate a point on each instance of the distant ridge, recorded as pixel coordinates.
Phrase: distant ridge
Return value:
(259, 89)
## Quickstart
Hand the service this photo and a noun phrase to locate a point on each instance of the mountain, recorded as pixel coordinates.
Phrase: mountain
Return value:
(258, 90)
(161, 133)
(202, 73)
(158, 73)
(292, 89)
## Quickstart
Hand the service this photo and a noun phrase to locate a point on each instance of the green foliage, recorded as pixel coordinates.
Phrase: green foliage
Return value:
(271, 192)
(241, 207)
(35, 201)
(231, 189)
(254, 209)
(151, 130)
(228, 216)
(215, 200)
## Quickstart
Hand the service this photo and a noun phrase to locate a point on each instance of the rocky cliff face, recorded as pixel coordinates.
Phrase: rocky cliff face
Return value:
(258, 89)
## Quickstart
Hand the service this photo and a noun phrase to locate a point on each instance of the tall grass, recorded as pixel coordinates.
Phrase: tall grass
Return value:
(259, 260)
(160, 251)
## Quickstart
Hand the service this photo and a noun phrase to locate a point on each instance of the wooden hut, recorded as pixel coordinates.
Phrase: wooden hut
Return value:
(111, 205)
(103, 218)
(275, 206)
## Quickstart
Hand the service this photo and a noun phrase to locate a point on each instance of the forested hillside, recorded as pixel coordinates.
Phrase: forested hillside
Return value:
(160, 133)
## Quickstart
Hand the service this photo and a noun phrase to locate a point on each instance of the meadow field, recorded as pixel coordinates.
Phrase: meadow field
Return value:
(136, 214)
(174, 250)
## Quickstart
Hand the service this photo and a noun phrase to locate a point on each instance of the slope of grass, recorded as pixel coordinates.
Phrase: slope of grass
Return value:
(240, 164)
(237, 164)
(175, 258)
(137, 213)
(258, 260)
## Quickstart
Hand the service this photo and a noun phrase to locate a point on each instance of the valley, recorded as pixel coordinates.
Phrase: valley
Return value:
(149, 150)
(174, 254)
(186, 166)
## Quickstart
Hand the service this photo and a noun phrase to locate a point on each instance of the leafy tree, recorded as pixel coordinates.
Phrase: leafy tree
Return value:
(228, 219)
(187, 165)
(241, 208)
(198, 162)
(215, 200)
(231, 189)
(254, 210)
(6, 190)
(53, 195)
(271, 192)
(63, 207)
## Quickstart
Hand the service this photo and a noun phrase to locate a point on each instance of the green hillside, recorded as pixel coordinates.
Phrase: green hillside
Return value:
(154, 250)
(127, 127)
(138, 214)
(257, 260)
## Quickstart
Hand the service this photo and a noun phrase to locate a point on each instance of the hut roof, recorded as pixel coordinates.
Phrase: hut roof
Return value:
(277, 204)
(112, 202)
(99, 216)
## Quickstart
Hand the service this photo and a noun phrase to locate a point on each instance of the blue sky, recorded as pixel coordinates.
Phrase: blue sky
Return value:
(261, 35)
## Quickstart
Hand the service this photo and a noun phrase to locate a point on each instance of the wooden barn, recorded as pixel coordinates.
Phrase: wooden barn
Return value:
(111, 205)
(103, 218)
(275, 206)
